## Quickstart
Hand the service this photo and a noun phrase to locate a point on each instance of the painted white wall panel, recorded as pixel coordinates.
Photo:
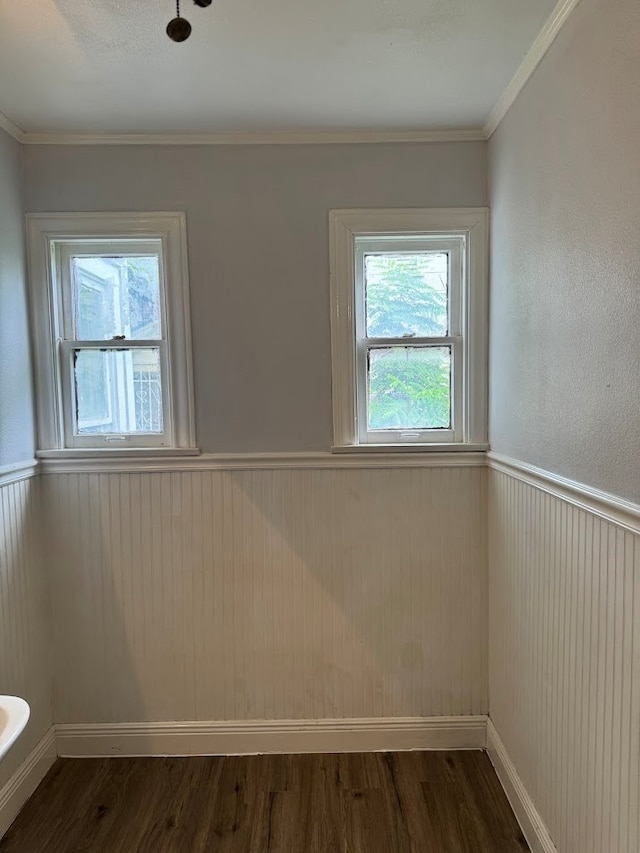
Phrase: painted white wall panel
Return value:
(25, 659)
(278, 594)
(564, 650)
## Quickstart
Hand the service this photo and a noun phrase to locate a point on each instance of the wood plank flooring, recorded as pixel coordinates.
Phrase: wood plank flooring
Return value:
(408, 802)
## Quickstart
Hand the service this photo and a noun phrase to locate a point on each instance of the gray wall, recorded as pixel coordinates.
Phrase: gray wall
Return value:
(565, 298)
(258, 254)
(16, 402)
(25, 638)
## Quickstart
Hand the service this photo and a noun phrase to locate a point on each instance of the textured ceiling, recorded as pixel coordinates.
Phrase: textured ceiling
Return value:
(106, 66)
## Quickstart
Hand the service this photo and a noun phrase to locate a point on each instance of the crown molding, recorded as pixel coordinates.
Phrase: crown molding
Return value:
(541, 45)
(12, 129)
(534, 56)
(319, 137)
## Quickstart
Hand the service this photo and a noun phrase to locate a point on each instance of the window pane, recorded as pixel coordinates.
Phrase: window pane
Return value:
(409, 388)
(118, 391)
(116, 295)
(407, 294)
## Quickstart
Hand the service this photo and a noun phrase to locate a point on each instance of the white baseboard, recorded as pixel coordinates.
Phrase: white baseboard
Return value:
(529, 818)
(276, 736)
(271, 736)
(26, 779)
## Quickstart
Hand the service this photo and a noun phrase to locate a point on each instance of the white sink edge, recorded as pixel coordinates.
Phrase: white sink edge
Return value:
(14, 715)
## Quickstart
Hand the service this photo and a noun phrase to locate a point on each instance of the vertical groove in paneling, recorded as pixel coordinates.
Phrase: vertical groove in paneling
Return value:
(564, 646)
(25, 642)
(269, 594)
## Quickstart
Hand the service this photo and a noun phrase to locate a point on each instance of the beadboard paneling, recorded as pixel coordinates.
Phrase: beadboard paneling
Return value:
(564, 649)
(271, 594)
(25, 642)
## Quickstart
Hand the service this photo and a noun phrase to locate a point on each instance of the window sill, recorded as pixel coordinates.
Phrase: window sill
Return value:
(118, 453)
(411, 448)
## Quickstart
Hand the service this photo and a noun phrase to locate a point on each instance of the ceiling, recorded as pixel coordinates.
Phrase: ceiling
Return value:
(107, 67)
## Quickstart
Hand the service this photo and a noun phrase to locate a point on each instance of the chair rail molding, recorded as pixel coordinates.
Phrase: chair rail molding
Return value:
(18, 471)
(602, 504)
(69, 462)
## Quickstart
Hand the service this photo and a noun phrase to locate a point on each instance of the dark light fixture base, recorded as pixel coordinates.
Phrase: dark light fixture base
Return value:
(179, 29)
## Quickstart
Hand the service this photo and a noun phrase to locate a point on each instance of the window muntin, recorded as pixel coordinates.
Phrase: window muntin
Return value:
(408, 346)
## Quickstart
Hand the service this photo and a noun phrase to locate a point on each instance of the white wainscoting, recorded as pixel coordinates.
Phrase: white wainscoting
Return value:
(564, 649)
(23, 782)
(223, 595)
(25, 639)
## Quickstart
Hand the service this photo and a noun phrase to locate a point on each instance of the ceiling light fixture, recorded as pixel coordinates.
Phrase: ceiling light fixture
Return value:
(179, 29)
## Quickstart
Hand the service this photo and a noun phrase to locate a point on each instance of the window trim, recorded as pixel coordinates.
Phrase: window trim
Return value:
(43, 231)
(347, 225)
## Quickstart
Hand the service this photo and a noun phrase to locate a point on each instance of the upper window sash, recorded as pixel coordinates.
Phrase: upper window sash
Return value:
(405, 245)
(65, 251)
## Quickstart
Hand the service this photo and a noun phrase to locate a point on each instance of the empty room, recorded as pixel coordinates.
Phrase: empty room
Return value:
(320, 426)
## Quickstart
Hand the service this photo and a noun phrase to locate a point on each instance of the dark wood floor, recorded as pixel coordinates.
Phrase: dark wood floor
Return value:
(410, 802)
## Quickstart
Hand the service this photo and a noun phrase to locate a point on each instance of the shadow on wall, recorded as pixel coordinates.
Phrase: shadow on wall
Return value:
(269, 594)
(95, 630)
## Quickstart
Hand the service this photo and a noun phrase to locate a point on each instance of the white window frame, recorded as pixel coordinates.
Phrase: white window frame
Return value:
(49, 236)
(463, 233)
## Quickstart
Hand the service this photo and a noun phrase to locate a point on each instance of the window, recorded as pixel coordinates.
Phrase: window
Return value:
(110, 303)
(409, 315)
